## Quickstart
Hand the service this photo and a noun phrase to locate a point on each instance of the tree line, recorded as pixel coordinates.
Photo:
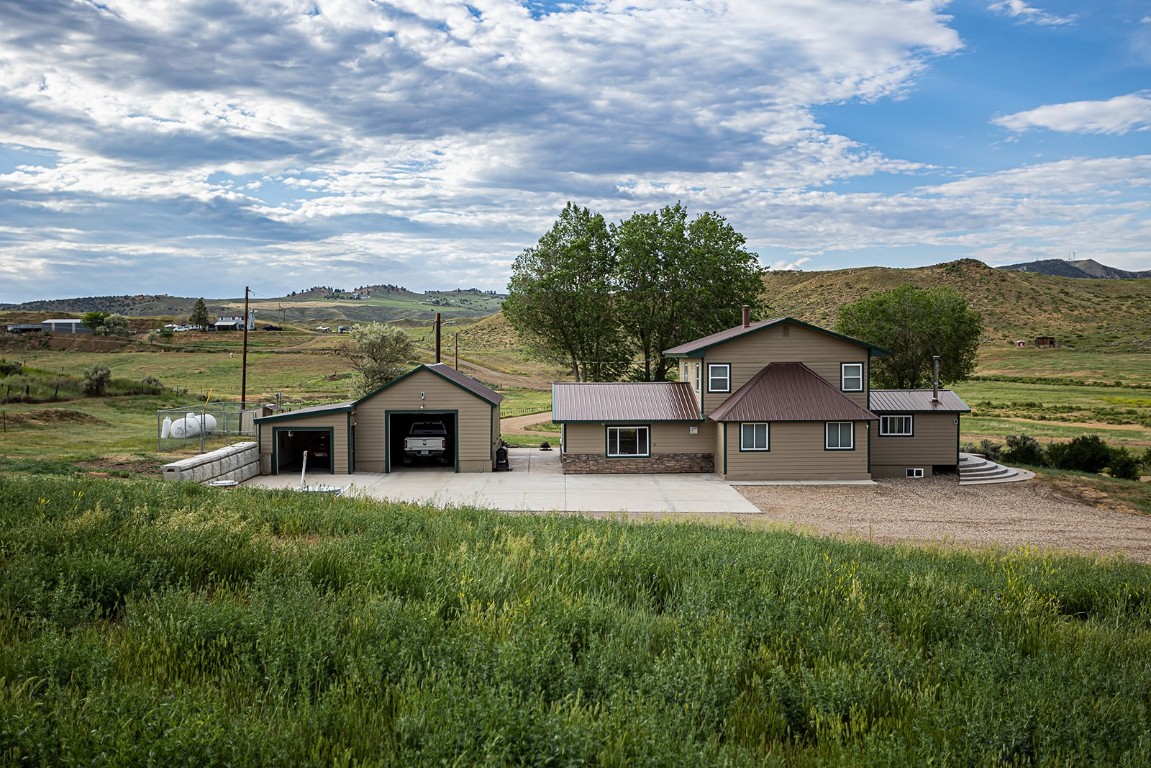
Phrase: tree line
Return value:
(607, 299)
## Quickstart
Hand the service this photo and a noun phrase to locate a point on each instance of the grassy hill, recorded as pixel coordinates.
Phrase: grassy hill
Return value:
(1085, 314)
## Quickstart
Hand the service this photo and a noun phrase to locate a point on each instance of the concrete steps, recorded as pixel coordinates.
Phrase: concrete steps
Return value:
(977, 470)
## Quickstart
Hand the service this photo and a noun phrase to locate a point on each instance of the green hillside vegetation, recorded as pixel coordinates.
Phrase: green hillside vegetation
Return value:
(152, 623)
(1084, 314)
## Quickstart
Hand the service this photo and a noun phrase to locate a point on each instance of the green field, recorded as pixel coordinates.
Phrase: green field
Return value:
(144, 623)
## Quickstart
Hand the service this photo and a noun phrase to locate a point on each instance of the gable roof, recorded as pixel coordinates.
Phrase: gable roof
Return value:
(699, 346)
(624, 401)
(446, 372)
(916, 401)
(303, 413)
(789, 392)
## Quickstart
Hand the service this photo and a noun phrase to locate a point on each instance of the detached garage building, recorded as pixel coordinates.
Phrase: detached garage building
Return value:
(367, 435)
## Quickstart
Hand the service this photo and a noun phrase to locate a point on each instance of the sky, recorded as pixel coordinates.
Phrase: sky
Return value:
(198, 147)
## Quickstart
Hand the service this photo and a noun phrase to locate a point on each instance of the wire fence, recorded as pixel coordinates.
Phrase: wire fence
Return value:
(203, 423)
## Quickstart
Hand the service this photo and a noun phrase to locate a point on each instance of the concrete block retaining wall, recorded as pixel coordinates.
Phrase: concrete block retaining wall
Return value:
(237, 462)
(598, 464)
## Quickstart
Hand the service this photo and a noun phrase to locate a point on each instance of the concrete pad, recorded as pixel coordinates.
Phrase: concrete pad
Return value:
(536, 484)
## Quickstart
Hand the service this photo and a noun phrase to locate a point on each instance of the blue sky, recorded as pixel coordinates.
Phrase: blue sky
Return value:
(194, 147)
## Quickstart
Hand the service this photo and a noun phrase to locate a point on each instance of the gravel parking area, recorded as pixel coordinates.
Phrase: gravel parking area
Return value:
(939, 511)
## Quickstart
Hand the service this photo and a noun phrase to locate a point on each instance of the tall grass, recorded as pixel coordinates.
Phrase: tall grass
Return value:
(144, 623)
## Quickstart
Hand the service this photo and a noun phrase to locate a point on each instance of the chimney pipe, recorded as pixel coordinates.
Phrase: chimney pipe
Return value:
(746, 316)
(935, 378)
(438, 324)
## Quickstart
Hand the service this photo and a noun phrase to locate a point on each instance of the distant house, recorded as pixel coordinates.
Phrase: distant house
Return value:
(234, 323)
(1045, 341)
(65, 325)
(777, 400)
(24, 328)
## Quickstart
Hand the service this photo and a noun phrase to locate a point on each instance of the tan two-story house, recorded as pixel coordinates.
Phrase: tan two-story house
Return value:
(776, 400)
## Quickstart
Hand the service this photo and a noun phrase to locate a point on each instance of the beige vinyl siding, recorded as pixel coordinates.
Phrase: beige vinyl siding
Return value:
(496, 436)
(785, 343)
(797, 453)
(666, 437)
(935, 442)
(338, 422)
(474, 421)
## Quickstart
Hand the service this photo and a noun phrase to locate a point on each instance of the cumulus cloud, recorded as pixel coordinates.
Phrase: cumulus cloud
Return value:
(155, 143)
(1119, 115)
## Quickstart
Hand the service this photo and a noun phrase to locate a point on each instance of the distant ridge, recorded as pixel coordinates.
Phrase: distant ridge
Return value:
(1084, 268)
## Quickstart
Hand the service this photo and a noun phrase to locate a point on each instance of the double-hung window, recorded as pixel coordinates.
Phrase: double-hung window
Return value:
(719, 377)
(851, 377)
(896, 426)
(628, 442)
(754, 436)
(840, 436)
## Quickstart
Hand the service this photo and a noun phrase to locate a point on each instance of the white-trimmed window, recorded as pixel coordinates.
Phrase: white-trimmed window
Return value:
(698, 383)
(718, 377)
(851, 377)
(754, 436)
(896, 426)
(840, 436)
(628, 442)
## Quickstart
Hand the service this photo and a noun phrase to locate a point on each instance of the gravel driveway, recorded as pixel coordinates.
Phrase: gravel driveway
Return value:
(939, 511)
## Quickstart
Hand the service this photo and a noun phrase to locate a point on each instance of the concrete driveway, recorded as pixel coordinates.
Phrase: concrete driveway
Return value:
(536, 484)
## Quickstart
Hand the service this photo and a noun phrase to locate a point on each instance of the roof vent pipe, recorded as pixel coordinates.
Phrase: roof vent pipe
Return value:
(746, 316)
(935, 378)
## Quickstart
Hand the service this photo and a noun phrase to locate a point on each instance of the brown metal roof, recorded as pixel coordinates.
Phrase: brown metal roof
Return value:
(624, 401)
(467, 382)
(916, 401)
(694, 348)
(303, 413)
(789, 392)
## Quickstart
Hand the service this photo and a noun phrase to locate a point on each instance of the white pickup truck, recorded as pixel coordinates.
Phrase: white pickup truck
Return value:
(426, 440)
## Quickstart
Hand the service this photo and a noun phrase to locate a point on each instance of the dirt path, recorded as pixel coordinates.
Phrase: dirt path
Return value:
(517, 425)
(939, 511)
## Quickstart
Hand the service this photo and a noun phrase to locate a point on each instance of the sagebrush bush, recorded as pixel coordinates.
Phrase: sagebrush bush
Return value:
(1123, 464)
(1086, 453)
(96, 380)
(1023, 449)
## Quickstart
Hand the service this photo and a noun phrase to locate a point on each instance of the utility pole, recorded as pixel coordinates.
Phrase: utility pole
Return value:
(244, 360)
(438, 324)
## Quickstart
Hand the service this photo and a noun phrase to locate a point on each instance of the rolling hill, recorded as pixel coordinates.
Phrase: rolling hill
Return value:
(1083, 269)
(1085, 313)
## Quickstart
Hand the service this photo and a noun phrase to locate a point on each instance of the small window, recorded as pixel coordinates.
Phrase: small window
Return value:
(851, 377)
(895, 426)
(753, 437)
(719, 377)
(840, 436)
(628, 442)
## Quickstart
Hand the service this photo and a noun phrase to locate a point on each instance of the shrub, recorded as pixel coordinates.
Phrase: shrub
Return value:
(96, 380)
(990, 450)
(150, 385)
(1123, 464)
(1086, 453)
(10, 369)
(1146, 460)
(1023, 449)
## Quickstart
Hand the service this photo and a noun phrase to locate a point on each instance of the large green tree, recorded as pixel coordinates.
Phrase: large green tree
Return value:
(378, 353)
(199, 316)
(562, 297)
(680, 280)
(914, 324)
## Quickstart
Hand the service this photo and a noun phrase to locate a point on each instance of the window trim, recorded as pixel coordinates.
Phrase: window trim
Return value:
(766, 435)
(644, 428)
(827, 446)
(843, 377)
(884, 420)
(711, 377)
